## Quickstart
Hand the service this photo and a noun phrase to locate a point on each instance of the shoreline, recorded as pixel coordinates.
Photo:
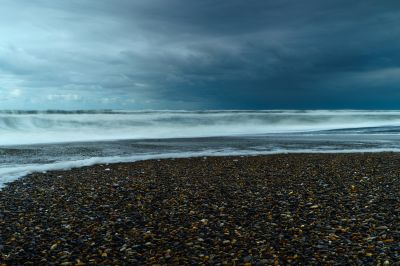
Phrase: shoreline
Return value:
(282, 208)
(14, 173)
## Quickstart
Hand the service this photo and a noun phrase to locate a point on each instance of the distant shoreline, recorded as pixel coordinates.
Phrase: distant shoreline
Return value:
(284, 208)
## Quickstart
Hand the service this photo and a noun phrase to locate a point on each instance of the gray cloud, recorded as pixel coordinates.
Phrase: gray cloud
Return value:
(199, 54)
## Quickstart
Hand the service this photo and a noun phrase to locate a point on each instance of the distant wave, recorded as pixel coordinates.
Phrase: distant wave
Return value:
(274, 111)
(52, 126)
(34, 112)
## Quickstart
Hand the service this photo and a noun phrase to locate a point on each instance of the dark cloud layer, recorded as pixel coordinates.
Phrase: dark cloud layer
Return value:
(199, 54)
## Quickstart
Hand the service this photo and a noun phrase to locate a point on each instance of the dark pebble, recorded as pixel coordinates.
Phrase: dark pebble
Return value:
(295, 209)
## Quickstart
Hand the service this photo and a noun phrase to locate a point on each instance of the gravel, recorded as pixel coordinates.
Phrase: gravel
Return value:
(264, 210)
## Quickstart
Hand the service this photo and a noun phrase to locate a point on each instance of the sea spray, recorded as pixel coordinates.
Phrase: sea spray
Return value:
(36, 141)
(30, 127)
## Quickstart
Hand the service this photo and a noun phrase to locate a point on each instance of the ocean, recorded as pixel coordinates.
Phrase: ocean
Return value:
(38, 141)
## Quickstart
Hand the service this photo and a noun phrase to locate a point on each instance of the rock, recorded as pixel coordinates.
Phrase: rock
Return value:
(247, 259)
(204, 221)
(382, 227)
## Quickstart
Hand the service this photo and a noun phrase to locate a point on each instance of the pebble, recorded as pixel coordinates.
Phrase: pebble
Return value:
(292, 209)
(382, 227)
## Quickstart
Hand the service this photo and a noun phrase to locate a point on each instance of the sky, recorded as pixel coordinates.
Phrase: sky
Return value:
(209, 54)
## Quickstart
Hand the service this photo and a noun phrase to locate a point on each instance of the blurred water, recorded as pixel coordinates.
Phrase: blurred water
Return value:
(71, 139)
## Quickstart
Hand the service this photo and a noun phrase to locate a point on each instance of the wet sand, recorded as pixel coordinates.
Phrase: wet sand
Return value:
(265, 210)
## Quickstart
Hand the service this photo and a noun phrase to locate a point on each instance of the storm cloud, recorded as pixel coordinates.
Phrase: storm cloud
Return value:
(180, 54)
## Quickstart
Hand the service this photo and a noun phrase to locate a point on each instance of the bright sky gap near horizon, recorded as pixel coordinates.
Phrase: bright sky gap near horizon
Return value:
(178, 54)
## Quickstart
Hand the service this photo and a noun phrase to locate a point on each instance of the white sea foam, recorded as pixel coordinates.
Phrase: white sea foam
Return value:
(342, 130)
(13, 172)
(30, 127)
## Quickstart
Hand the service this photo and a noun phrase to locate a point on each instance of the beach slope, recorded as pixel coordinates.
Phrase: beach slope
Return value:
(276, 209)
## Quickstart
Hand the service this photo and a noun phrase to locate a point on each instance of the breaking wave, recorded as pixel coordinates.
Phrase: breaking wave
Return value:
(53, 126)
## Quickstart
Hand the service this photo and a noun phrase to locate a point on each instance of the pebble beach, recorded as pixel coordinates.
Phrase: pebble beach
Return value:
(288, 209)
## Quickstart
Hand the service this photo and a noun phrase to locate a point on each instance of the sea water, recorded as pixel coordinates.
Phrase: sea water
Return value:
(37, 141)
